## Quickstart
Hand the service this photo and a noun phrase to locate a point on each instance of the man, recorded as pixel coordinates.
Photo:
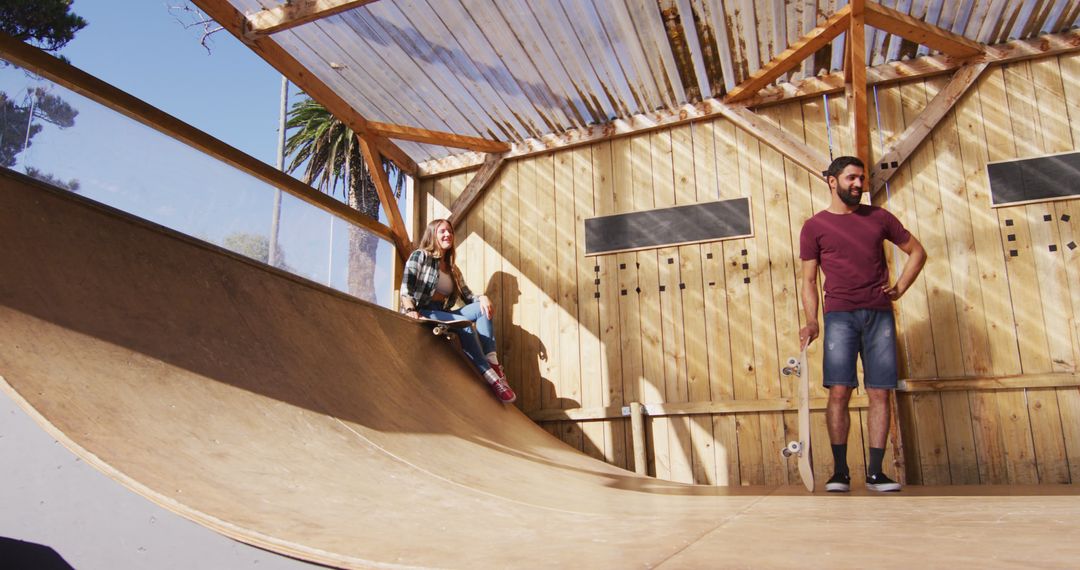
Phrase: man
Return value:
(846, 241)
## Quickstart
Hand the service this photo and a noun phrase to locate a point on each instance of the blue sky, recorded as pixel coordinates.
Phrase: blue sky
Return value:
(138, 46)
(141, 48)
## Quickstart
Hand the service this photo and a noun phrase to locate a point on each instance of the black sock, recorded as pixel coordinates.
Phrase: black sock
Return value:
(876, 455)
(839, 456)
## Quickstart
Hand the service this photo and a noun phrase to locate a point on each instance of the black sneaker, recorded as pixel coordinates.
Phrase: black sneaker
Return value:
(880, 482)
(839, 483)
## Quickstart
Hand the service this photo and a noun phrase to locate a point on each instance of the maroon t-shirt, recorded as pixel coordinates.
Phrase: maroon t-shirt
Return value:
(848, 247)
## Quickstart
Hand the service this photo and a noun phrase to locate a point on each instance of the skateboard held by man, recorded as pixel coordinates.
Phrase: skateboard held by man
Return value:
(801, 448)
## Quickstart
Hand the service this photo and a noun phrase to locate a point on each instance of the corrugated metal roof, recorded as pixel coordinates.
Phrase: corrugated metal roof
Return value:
(514, 69)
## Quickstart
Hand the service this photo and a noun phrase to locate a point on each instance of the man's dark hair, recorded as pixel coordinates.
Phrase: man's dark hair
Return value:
(840, 164)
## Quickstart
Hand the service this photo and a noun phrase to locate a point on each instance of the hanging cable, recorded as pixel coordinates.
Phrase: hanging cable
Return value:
(828, 124)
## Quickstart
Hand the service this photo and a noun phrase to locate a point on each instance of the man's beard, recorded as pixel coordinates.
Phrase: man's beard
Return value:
(849, 199)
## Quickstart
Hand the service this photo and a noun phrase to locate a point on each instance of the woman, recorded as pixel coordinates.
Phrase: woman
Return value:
(430, 288)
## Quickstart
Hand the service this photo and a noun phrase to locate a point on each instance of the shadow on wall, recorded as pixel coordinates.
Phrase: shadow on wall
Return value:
(926, 351)
(19, 554)
(523, 354)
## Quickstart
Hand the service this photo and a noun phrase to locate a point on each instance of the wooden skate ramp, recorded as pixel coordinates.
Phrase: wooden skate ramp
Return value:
(302, 421)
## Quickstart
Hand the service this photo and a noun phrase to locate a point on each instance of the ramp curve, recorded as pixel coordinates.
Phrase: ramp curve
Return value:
(292, 417)
(297, 419)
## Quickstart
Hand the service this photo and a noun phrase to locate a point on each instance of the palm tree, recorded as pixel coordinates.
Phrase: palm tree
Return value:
(329, 152)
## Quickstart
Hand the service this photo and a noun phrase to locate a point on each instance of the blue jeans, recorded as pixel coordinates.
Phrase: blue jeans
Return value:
(477, 341)
(866, 332)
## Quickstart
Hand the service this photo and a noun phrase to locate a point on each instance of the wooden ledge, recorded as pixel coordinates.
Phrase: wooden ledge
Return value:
(1014, 382)
(715, 407)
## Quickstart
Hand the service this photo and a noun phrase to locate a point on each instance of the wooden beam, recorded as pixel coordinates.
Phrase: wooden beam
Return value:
(786, 144)
(918, 68)
(715, 407)
(772, 135)
(393, 152)
(856, 87)
(234, 21)
(885, 74)
(879, 75)
(294, 13)
(809, 44)
(742, 406)
(386, 197)
(417, 134)
(898, 23)
(847, 62)
(476, 187)
(1019, 381)
(74, 79)
(913, 136)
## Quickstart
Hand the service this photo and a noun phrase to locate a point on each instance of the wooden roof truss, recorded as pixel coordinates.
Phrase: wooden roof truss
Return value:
(826, 84)
(375, 137)
(628, 106)
(853, 20)
(295, 13)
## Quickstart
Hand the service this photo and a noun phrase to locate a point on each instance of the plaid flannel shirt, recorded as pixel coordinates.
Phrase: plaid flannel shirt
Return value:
(421, 278)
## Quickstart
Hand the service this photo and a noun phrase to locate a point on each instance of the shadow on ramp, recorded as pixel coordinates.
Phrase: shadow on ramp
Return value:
(20, 554)
(303, 421)
(288, 415)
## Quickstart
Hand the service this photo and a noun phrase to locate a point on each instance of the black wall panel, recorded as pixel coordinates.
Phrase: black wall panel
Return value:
(695, 223)
(1035, 179)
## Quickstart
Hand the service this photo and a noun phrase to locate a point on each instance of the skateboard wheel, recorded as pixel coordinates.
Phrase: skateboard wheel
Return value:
(788, 371)
(439, 330)
(785, 452)
(792, 362)
(793, 447)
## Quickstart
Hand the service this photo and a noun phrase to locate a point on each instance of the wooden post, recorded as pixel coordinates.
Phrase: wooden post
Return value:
(476, 187)
(373, 158)
(399, 272)
(637, 429)
(856, 87)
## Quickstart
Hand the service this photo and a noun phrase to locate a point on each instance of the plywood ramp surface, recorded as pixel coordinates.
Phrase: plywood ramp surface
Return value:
(291, 417)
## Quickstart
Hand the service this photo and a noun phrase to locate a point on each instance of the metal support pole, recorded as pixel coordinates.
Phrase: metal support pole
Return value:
(275, 220)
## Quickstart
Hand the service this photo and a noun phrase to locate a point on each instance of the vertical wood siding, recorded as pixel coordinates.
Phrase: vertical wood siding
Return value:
(714, 322)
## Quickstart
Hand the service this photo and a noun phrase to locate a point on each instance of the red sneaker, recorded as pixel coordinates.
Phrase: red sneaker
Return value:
(498, 370)
(503, 392)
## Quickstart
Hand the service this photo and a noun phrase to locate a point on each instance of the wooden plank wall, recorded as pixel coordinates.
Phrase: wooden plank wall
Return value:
(1000, 295)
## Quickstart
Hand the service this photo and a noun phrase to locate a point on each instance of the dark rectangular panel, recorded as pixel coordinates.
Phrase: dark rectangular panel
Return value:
(680, 225)
(1053, 177)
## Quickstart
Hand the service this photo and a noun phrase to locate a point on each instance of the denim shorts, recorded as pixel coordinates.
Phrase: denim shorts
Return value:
(868, 333)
